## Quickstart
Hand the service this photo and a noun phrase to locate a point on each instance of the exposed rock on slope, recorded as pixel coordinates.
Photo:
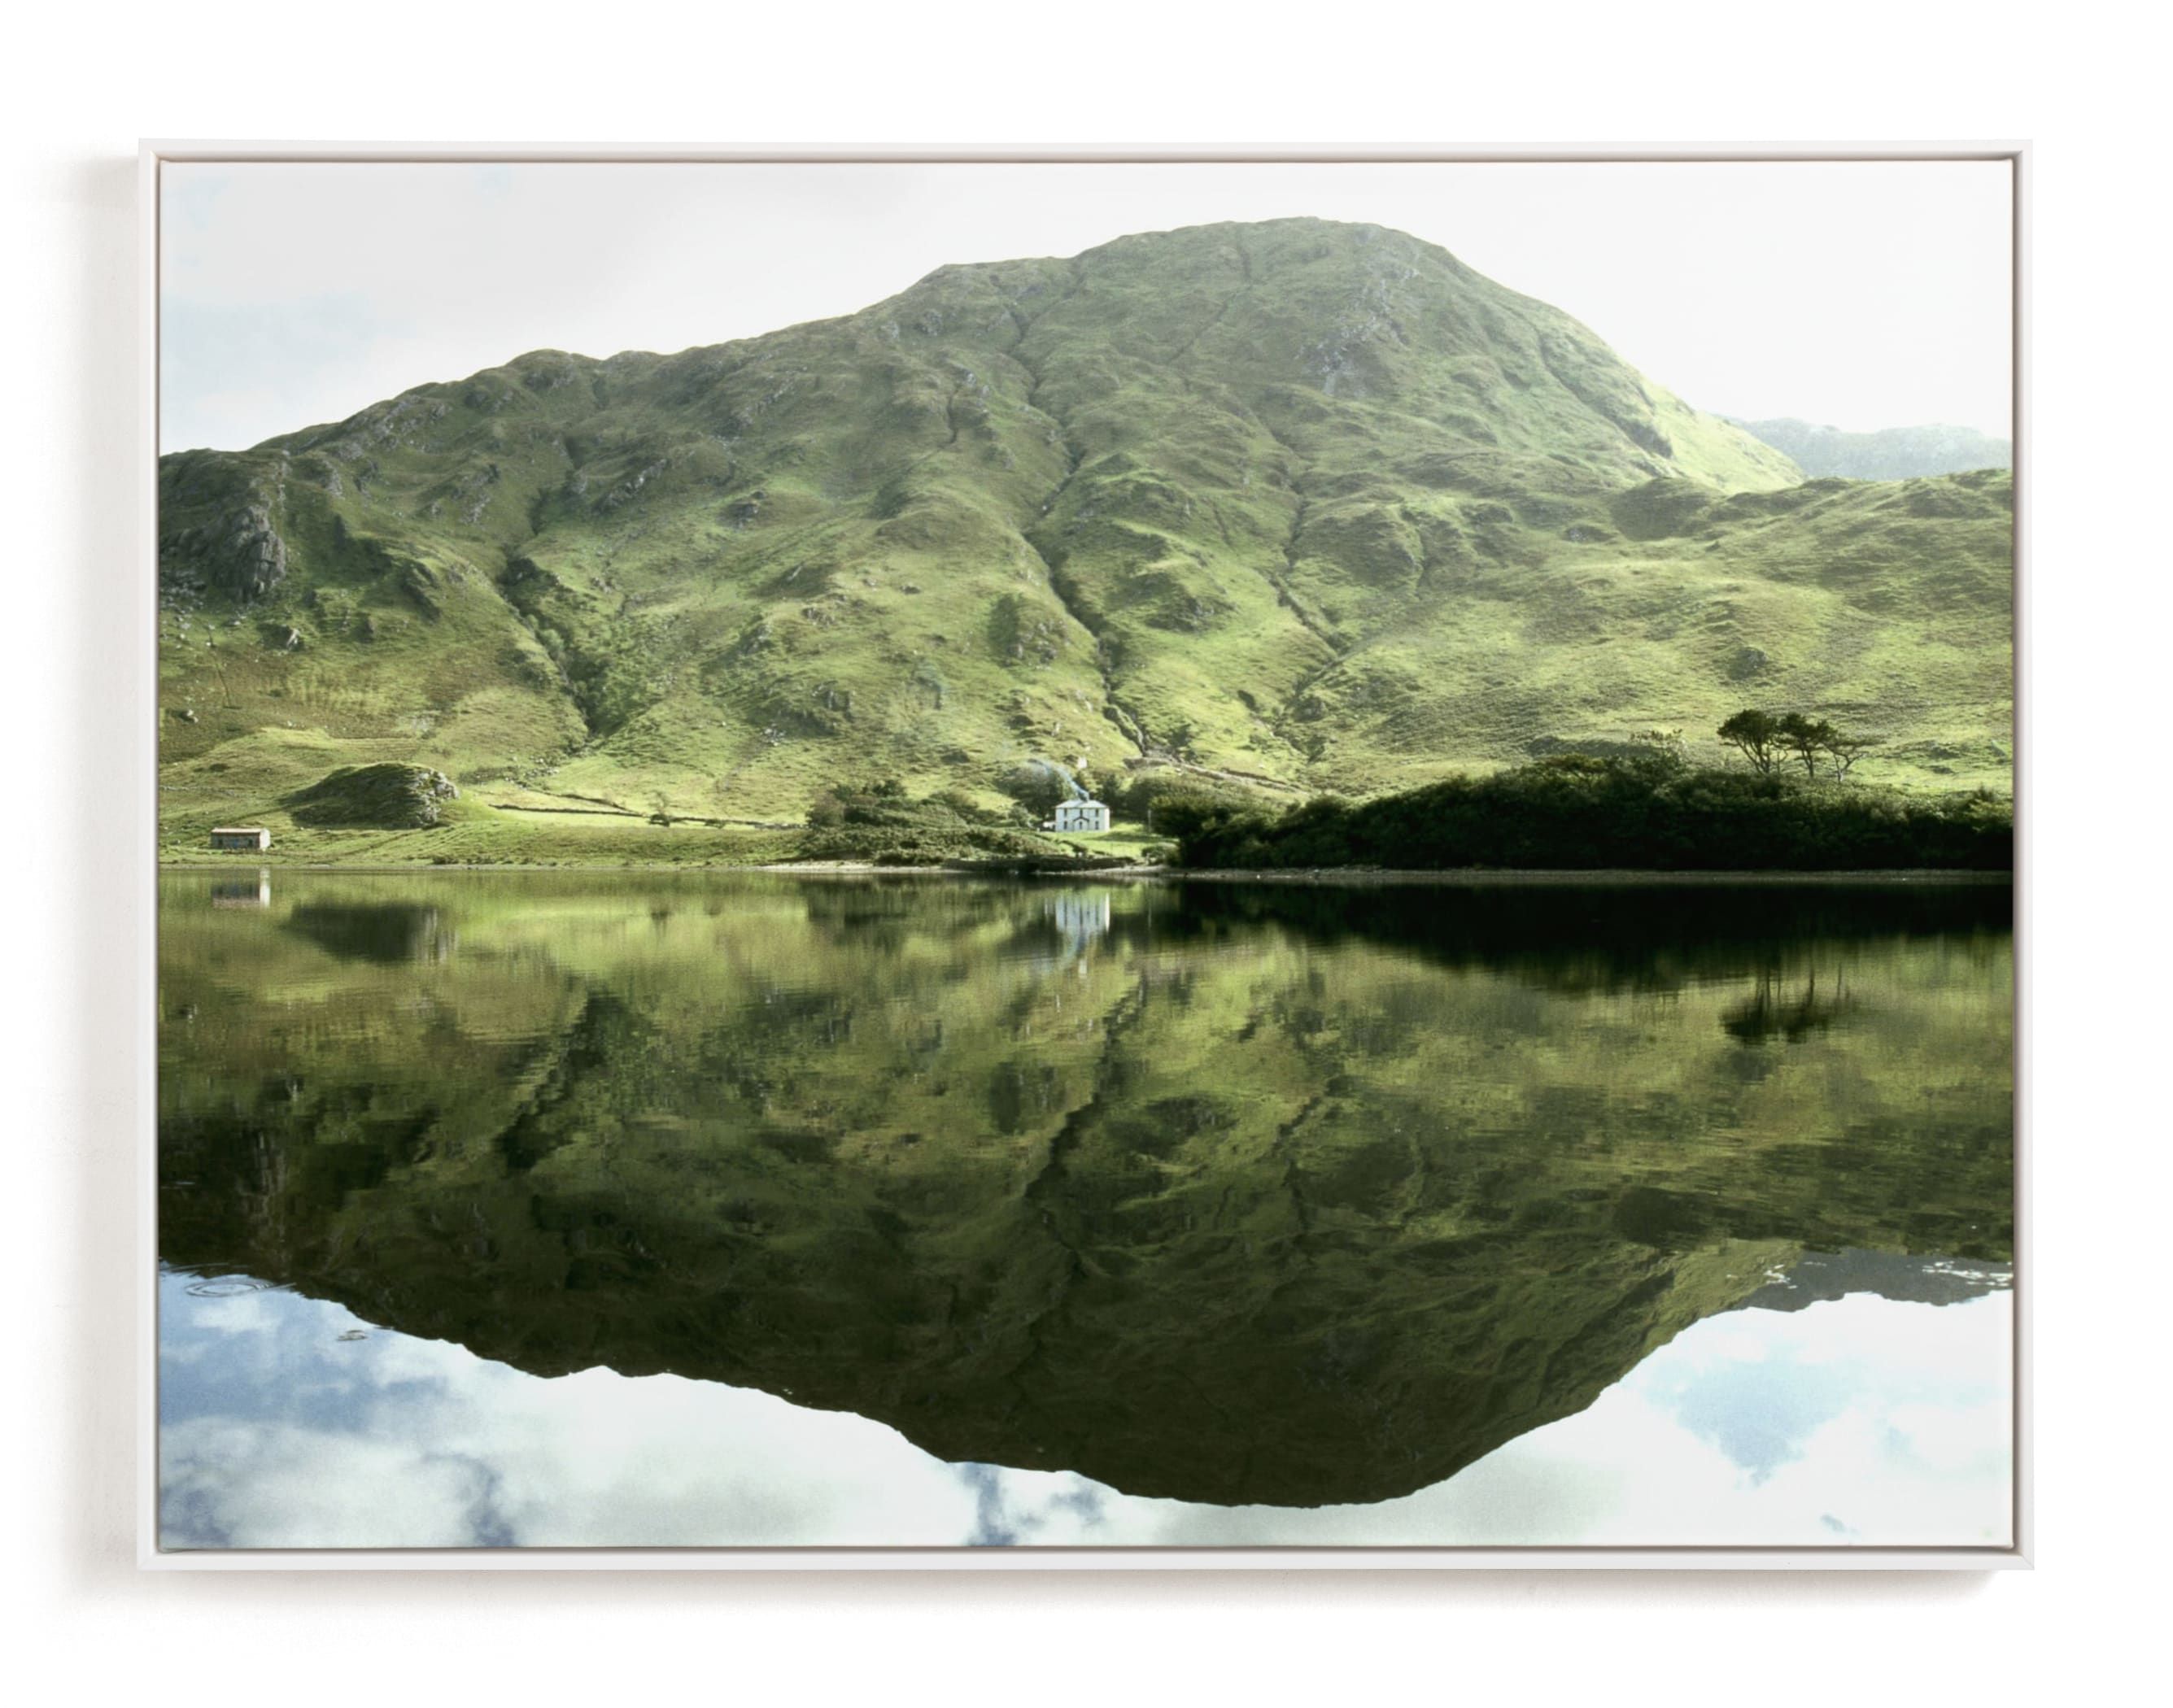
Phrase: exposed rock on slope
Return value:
(389, 796)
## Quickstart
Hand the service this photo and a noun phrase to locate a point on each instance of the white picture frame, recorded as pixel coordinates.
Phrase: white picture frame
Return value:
(155, 155)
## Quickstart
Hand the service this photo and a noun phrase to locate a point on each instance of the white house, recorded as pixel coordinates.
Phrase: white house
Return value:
(253, 837)
(1080, 816)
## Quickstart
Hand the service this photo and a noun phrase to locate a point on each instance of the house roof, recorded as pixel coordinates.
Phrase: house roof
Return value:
(239, 830)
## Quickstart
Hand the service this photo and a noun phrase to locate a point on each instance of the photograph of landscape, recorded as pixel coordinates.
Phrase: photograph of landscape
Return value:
(1076, 855)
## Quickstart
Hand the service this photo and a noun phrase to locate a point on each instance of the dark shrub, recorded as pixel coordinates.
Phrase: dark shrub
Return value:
(1578, 812)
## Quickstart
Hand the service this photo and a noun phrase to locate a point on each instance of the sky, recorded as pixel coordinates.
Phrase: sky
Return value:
(287, 1422)
(1857, 295)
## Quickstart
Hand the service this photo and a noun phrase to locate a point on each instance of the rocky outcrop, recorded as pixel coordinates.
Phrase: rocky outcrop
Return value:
(241, 554)
(389, 796)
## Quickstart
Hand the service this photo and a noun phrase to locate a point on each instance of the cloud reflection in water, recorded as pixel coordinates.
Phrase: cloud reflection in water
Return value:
(1850, 1421)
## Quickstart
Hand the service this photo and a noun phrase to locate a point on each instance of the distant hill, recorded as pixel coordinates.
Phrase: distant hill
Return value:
(1306, 504)
(1891, 454)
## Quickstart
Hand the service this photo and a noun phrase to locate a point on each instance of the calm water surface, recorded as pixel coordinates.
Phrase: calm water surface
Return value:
(630, 1210)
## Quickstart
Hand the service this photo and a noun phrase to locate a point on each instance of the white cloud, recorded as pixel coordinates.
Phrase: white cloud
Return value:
(314, 1441)
(243, 1484)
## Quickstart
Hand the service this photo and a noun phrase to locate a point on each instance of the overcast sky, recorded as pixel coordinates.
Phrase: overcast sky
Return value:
(1859, 294)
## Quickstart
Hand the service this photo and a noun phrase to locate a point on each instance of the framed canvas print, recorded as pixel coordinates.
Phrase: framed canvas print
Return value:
(1091, 860)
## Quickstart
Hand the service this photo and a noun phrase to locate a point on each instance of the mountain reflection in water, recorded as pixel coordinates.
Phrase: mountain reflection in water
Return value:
(1253, 1196)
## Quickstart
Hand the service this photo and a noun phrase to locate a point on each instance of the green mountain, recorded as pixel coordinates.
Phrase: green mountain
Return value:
(1309, 504)
(1891, 454)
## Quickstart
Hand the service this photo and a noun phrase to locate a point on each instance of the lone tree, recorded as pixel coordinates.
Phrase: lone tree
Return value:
(1756, 735)
(1806, 738)
(1768, 740)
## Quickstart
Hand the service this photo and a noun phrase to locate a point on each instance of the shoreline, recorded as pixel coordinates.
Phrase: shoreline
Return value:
(1352, 876)
(1617, 877)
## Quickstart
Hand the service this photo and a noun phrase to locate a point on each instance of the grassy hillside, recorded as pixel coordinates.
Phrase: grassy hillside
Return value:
(1304, 504)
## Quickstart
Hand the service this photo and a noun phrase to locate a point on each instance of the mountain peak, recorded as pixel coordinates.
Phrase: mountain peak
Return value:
(1361, 315)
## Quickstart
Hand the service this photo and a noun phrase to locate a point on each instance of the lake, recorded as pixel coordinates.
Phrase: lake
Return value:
(540, 1208)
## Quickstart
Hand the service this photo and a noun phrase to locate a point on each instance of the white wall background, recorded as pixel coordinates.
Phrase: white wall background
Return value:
(83, 1625)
